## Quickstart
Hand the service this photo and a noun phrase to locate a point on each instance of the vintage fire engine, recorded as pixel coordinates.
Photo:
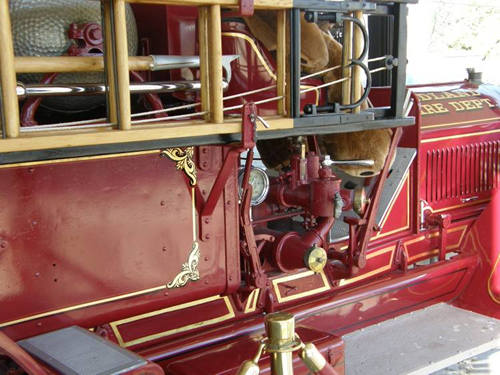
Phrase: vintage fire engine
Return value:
(239, 187)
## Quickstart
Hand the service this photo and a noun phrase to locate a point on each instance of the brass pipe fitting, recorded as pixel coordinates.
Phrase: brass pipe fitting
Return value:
(280, 343)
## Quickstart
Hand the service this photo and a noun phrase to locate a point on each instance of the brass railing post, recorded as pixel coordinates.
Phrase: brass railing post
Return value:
(280, 344)
(280, 330)
(204, 60)
(10, 105)
(121, 64)
(215, 64)
(109, 67)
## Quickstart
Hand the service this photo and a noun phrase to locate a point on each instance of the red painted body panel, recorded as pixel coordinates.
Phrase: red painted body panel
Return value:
(459, 149)
(82, 232)
(483, 293)
(89, 202)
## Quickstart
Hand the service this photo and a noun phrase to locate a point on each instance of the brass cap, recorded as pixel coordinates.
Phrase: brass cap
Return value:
(280, 330)
(315, 258)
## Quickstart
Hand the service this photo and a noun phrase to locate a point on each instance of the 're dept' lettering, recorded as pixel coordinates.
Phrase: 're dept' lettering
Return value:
(471, 105)
(433, 109)
(446, 105)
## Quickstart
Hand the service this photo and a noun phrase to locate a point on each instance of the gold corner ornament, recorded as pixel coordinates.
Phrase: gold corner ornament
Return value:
(184, 161)
(189, 270)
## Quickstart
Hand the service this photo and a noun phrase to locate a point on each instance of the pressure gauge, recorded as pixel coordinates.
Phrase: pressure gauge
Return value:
(260, 184)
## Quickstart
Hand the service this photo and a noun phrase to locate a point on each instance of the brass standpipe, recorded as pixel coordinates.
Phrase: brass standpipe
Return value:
(280, 343)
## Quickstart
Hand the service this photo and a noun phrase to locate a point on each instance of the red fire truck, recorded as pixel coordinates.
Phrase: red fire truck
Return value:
(239, 187)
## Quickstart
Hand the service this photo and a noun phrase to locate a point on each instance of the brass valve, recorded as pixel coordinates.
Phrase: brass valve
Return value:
(315, 258)
(280, 343)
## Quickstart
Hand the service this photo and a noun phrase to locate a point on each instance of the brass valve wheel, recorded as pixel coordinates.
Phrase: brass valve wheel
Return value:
(360, 201)
(315, 258)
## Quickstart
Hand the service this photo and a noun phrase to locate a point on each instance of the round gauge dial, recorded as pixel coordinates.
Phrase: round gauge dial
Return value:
(260, 184)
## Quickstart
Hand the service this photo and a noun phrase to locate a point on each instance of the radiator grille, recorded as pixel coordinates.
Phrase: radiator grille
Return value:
(462, 170)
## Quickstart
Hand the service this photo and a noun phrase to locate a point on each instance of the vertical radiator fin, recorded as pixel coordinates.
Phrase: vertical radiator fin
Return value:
(462, 170)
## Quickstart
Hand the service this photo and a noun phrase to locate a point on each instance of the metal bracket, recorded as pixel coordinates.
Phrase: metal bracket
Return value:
(360, 230)
(249, 116)
(442, 221)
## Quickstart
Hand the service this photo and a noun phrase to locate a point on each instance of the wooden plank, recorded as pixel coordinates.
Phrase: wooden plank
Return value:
(281, 59)
(62, 139)
(215, 64)
(68, 64)
(204, 60)
(10, 105)
(258, 4)
(121, 61)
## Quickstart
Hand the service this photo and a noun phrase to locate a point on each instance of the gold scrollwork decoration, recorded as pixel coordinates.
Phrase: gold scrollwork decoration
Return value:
(184, 160)
(189, 270)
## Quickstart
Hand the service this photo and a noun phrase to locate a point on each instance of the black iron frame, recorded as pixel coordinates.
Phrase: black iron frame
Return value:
(398, 11)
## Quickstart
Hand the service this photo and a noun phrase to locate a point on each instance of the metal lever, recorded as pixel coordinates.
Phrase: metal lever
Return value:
(254, 117)
(358, 162)
(263, 122)
(165, 62)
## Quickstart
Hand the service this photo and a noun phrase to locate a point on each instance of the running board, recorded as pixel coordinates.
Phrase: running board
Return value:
(420, 342)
